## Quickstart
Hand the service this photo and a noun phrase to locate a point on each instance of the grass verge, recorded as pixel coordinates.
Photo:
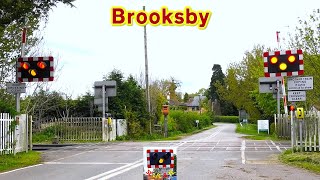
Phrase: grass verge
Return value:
(23, 159)
(252, 131)
(305, 160)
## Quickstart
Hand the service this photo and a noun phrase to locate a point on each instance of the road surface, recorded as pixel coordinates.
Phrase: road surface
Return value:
(218, 153)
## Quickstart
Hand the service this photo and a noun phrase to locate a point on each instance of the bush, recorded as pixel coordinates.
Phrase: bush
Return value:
(229, 119)
(185, 122)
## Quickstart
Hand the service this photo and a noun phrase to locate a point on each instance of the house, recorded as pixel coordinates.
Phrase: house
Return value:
(194, 103)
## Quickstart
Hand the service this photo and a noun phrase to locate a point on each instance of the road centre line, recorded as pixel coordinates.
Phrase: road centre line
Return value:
(118, 170)
(243, 148)
(215, 145)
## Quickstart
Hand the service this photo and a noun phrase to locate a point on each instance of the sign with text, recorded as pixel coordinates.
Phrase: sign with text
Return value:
(263, 125)
(16, 88)
(296, 96)
(300, 83)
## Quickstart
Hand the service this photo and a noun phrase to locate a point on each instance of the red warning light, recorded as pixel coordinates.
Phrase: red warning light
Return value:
(41, 65)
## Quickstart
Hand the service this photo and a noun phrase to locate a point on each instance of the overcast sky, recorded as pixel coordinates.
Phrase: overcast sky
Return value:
(88, 46)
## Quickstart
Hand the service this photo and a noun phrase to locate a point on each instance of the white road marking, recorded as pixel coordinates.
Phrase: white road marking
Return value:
(73, 155)
(118, 170)
(276, 146)
(268, 145)
(83, 163)
(20, 169)
(243, 148)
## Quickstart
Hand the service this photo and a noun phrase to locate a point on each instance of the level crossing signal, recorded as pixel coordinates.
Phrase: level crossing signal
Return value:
(283, 63)
(34, 69)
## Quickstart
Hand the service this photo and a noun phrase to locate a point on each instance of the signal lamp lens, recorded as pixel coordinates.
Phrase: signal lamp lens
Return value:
(25, 65)
(161, 160)
(291, 58)
(283, 66)
(41, 65)
(274, 60)
(32, 72)
(291, 108)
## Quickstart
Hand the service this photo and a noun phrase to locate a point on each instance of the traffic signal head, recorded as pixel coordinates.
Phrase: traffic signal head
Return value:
(160, 158)
(32, 69)
(283, 63)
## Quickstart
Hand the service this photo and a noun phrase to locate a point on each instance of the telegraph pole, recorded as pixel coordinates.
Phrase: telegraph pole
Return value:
(146, 71)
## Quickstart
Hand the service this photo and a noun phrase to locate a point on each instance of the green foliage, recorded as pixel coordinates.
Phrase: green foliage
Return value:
(226, 119)
(44, 136)
(241, 84)
(9, 162)
(306, 160)
(217, 77)
(307, 38)
(252, 131)
(184, 122)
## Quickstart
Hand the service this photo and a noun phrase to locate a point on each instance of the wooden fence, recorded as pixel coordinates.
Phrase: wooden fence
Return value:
(306, 132)
(6, 134)
(72, 129)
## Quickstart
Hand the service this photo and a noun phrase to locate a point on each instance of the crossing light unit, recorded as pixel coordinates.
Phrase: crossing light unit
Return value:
(35, 69)
(300, 113)
(283, 63)
(160, 158)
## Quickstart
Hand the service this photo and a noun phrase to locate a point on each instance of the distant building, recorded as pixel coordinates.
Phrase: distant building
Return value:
(194, 103)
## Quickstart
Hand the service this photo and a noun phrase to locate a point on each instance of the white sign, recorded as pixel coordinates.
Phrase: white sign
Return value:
(300, 83)
(16, 88)
(263, 125)
(296, 96)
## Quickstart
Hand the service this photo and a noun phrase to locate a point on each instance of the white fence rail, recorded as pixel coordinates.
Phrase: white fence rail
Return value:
(6, 134)
(306, 132)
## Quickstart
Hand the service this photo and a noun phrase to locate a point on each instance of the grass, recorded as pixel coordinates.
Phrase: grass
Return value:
(305, 160)
(252, 131)
(23, 159)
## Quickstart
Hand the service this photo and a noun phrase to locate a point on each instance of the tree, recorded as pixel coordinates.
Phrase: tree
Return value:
(186, 97)
(242, 88)
(217, 77)
(307, 38)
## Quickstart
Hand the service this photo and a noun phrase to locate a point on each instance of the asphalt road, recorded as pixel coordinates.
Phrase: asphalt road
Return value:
(218, 153)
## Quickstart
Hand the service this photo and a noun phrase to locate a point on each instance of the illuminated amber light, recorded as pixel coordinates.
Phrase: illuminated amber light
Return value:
(283, 66)
(161, 160)
(41, 65)
(25, 65)
(274, 60)
(291, 58)
(33, 72)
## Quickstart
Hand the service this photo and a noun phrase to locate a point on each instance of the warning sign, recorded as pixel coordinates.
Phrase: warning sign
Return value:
(296, 96)
(159, 163)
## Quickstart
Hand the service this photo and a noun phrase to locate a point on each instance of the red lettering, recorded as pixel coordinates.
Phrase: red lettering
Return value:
(144, 18)
(116, 15)
(157, 18)
(166, 17)
(188, 15)
(130, 14)
(179, 18)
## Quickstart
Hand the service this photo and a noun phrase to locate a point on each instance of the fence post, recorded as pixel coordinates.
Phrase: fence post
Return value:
(30, 132)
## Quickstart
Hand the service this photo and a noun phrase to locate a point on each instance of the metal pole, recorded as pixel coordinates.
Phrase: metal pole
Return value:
(165, 126)
(278, 98)
(23, 40)
(292, 128)
(146, 71)
(104, 138)
(300, 134)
